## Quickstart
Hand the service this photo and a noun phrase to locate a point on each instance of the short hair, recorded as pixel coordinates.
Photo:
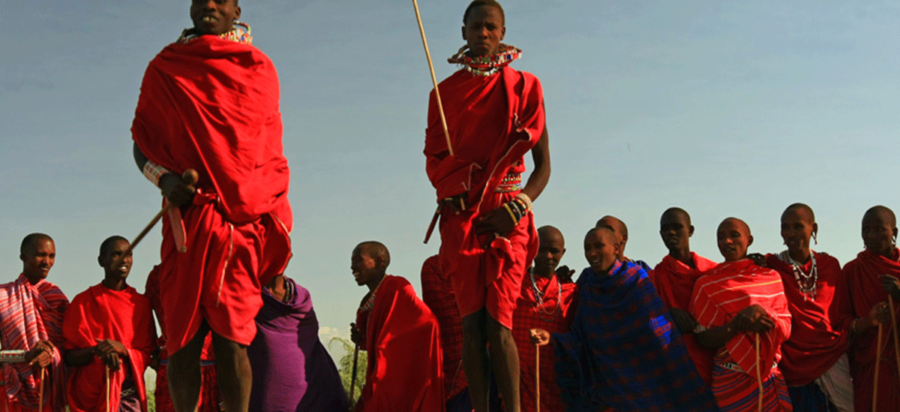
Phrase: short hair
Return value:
(892, 219)
(624, 228)
(31, 239)
(676, 211)
(484, 3)
(376, 250)
(109, 242)
(804, 207)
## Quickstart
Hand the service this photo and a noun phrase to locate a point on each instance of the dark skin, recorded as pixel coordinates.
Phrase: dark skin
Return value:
(276, 287)
(551, 250)
(37, 260)
(368, 269)
(676, 229)
(734, 238)
(617, 227)
(879, 233)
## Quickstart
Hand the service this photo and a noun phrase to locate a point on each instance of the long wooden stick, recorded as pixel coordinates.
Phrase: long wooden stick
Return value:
(894, 330)
(537, 377)
(353, 376)
(759, 379)
(877, 367)
(107, 389)
(437, 93)
(41, 390)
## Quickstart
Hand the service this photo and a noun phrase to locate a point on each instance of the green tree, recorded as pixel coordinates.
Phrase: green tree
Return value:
(345, 367)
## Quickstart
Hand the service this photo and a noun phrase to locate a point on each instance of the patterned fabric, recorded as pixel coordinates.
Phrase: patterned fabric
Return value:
(437, 293)
(739, 392)
(240, 33)
(624, 351)
(28, 314)
(553, 314)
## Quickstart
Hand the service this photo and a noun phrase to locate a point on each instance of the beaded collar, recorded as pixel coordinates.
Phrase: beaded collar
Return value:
(239, 33)
(806, 282)
(539, 297)
(486, 65)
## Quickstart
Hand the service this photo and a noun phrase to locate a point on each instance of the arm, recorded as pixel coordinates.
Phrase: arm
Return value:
(79, 357)
(751, 319)
(139, 157)
(173, 187)
(541, 174)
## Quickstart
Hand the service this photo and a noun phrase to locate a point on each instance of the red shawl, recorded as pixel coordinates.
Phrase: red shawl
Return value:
(404, 370)
(729, 288)
(865, 291)
(438, 295)
(674, 281)
(102, 313)
(820, 332)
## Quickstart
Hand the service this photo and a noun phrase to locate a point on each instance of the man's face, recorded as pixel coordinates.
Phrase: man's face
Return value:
(675, 231)
(550, 252)
(363, 266)
(38, 259)
(796, 229)
(734, 239)
(615, 226)
(113, 254)
(214, 16)
(484, 30)
(600, 250)
(878, 233)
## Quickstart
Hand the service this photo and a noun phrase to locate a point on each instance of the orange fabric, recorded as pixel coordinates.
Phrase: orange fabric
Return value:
(404, 372)
(102, 313)
(674, 281)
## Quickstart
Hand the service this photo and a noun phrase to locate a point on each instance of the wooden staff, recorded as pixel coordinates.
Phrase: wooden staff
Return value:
(107, 389)
(437, 93)
(894, 330)
(41, 390)
(190, 178)
(537, 377)
(877, 367)
(353, 376)
(759, 379)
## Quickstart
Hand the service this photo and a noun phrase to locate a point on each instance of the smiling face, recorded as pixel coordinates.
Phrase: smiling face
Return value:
(37, 259)
(484, 30)
(600, 249)
(364, 266)
(797, 227)
(214, 16)
(110, 257)
(734, 238)
(550, 252)
(879, 229)
(676, 230)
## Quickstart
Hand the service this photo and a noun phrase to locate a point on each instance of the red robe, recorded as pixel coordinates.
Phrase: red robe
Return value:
(101, 313)
(553, 315)
(865, 291)
(820, 331)
(401, 336)
(493, 121)
(674, 281)
(212, 105)
(438, 295)
(718, 296)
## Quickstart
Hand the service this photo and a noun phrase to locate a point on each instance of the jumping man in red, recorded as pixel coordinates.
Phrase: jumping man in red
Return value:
(210, 102)
(495, 115)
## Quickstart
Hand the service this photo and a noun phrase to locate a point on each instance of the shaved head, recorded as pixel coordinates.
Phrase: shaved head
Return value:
(736, 223)
(879, 231)
(618, 228)
(882, 212)
(603, 233)
(376, 250)
(549, 232)
(803, 210)
(676, 213)
(31, 240)
(733, 237)
(551, 249)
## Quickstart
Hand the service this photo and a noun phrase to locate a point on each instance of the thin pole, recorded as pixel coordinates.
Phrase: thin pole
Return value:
(537, 377)
(41, 391)
(759, 379)
(353, 376)
(894, 329)
(437, 93)
(877, 367)
(107, 389)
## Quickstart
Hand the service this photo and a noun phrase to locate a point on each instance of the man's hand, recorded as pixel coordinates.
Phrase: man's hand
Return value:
(685, 322)
(753, 319)
(110, 359)
(880, 314)
(758, 258)
(564, 274)
(891, 286)
(110, 346)
(539, 337)
(355, 334)
(176, 190)
(42, 353)
(496, 221)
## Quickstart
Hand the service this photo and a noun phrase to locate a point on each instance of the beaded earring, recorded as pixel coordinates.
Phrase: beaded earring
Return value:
(814, 238)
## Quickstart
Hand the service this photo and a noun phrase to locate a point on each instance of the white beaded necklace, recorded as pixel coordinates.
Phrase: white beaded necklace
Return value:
(806, 283)
(539, 298)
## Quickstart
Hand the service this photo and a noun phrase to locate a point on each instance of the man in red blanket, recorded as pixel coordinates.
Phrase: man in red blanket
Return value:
(31, 315)
(674, 280)
(210, 102)
(743, 314)
(495, 116)
(209, 391)
(401, 336)
(110, 336)
(873, 279)
(815, 364)
(546, 303)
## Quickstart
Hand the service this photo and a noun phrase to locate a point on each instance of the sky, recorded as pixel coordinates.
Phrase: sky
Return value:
(724, 109)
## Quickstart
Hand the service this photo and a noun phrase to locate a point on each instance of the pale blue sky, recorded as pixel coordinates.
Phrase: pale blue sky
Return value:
(723, 108)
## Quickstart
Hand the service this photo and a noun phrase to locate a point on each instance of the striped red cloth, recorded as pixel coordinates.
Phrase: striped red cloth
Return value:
(28, 314)
(674, 281)
(553, 315)
(437, 293)
(720, 295)
(864, 274)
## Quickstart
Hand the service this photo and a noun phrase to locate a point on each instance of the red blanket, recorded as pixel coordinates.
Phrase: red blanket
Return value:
(494, 121)
(438, 295)
(212, 105)
(554, 314)
(729, 288)
(820, 332)
(404, 371)
(865, 291)
(674, 281)
(102, 313)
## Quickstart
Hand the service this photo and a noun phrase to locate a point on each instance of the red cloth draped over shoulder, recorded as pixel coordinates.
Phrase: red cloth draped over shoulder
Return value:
(820, 332)
(863, 273)
(554, 314)
(674, 281)
(729, 288)
(404, 371)
(102, 313)
(212, 104)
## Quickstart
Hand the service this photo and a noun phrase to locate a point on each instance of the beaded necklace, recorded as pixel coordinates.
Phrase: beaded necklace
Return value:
(539, 298)
(806, 283)
(486, 65)
(239, 33)
(370, 302)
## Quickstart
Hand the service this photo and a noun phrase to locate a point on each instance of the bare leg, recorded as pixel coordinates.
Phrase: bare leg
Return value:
(183, 371)
(504, 363)
(233, 373)
(475, 359)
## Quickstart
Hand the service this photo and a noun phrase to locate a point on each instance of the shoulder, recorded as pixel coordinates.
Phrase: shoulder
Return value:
(826, 260)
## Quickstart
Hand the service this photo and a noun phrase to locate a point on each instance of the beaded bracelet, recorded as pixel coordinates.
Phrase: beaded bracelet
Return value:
(526, 200)
(511, 213)
(12, 356)
(153, 172)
